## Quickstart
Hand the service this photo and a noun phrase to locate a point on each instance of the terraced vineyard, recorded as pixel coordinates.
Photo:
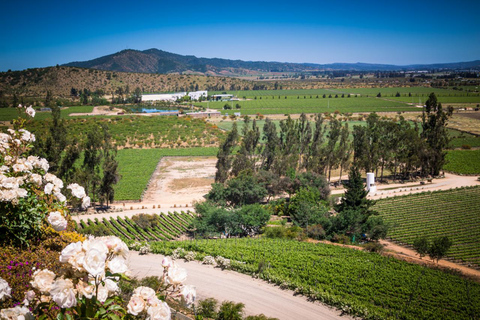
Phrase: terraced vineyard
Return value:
(169, 226)
(453, 213)
(364, 284)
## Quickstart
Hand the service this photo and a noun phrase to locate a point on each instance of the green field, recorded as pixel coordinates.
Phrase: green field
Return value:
(388, 91)
(364, 284)
(168, 227)
(463, 161)
(292, 105)
(136, 166)
(460, 139)
(452, 213)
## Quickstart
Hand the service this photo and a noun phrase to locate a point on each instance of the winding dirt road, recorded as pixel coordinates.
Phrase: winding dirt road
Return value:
(257, 295)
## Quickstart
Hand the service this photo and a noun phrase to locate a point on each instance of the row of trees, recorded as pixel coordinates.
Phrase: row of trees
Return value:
(297, 146)
(401, 147)
(92, 163)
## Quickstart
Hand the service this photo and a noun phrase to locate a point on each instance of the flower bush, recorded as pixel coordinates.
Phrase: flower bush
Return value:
(36, 282)
(31, 198)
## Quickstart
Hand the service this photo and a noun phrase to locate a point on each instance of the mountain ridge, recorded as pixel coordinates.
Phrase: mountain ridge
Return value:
(158, 61)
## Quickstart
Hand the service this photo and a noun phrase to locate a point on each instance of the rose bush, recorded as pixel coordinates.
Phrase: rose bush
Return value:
(31, 198)
(82, 282)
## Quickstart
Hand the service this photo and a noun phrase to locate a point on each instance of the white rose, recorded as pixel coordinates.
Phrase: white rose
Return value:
(57, 221)
(43, 280)
(21, 193)
(95, 262)
(48, 188)
(85, 289)
(136, 305)
(95, 243)
(29, 296)
(49, 177)
(77, 261)
(60, 197)
(5, 289)
(112, 286)
(102, 293)
(85, 202)
(30, 111)
(176, 275)
(69, 251)
(77, 190)
(167, 262)
(116, 245)
(159, 312)
(188, 294)
(118, 265)
(63, 293)
(36, 178)
(17, 313)
(144, 292)
(43, 164)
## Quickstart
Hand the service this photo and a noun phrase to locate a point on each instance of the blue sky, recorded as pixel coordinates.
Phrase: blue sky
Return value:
(46, 33)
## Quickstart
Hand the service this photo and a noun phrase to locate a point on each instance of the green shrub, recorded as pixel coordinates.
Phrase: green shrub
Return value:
(99, 230)
(230, 310)
(207, 308)
(145, 221)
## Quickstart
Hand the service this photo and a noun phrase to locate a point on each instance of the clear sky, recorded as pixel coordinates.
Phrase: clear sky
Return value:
(46, 33)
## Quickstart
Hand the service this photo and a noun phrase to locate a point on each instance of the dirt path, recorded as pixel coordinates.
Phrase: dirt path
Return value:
(257, 295)
(411, 256)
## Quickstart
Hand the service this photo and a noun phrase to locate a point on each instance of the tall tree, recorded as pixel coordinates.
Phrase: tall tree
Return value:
(224, 155)
(271, 142)
(435, 134)
(316, 158)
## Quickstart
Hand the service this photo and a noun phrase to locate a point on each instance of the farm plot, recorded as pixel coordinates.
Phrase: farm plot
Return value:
(463, 161)
(453, 213)
(165, 227)
(136, 166)
(364, 284)
(292, 105)
(144, 132)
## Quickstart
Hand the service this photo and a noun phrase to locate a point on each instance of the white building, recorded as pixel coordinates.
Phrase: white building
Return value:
(197, 94)
(163, 97)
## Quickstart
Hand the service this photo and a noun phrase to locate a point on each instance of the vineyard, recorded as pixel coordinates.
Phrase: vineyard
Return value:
(452, 213)
(463, 161)
(310, 104)
(359, 283)
(144, 132)
(167, 227)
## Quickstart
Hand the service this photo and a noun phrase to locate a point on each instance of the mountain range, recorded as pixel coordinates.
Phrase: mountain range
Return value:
(158, 61)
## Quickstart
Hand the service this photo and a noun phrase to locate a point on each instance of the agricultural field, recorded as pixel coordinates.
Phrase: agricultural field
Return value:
(463, 162)
(144, 132)
(463, 139)
(166, 227)
(136, 166)
(305, 104)
(453, 213)
(372, 92)
(364, 284)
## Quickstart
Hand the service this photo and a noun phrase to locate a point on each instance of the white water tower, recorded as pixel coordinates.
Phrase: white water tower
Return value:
(371, 187)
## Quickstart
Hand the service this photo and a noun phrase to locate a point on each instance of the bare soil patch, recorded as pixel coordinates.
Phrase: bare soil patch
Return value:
(181, 180)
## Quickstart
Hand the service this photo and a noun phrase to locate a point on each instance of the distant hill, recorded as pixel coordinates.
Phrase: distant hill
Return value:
(158, 61)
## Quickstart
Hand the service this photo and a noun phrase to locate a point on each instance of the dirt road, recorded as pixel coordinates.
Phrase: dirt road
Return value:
(257, 295)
